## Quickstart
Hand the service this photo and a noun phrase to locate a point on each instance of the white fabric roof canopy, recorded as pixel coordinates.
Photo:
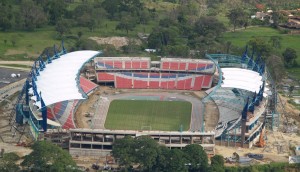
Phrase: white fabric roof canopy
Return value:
(57, 82)
(242, 79)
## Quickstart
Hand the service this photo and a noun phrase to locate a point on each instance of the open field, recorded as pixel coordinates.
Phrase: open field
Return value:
(241, 37)
(160, 115)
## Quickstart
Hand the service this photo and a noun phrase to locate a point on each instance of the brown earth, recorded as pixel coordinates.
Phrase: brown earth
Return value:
(117, 42)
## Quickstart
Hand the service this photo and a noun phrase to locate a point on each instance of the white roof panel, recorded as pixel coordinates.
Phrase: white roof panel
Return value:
(57, 81)
(242, 79)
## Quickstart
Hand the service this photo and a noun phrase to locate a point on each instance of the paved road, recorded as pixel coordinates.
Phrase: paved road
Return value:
(28, 63)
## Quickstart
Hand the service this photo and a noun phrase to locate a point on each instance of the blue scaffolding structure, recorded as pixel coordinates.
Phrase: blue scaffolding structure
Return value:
(21, 113)
(219, 94)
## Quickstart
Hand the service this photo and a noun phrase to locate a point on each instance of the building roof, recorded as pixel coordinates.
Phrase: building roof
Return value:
(242, 79)
(59, 81)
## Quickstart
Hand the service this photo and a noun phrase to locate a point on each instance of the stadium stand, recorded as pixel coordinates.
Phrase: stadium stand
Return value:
(169, 73)
(87, 85)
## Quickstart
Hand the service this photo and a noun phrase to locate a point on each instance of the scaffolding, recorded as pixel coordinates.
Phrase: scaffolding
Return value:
(234, 99)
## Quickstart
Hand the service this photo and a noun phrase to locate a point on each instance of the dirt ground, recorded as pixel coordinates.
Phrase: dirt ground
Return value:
(277, 149)
(86, 110)
(291, 111)
(117, 42)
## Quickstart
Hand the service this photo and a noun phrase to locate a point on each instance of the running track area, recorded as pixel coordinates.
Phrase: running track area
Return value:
(103, 102)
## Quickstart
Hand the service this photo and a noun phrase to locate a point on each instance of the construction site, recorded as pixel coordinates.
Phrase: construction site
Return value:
(242, 116)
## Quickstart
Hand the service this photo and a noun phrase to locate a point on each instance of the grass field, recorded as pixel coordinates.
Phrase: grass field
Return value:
(140, 114)
(241, 37)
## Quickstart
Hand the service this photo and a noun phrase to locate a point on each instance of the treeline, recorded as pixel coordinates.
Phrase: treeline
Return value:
(32, 14)
(145, 154)
(187, 27)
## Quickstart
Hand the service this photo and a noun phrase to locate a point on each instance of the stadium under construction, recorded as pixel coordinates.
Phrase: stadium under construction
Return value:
(239, 86)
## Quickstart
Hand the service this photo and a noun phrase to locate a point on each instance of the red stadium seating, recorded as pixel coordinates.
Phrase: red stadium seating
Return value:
(200, 66)
(67, 119)
(136, 65)
(167, 79)
(127, 64)
(174, 65)
(187, 85)
(198, 83)
(167, 85)
(144, 65)
(49, 113)
(57, 107)
(118, 64)
(184, 84)
(207, 81)
(165, 65)
(153, 84)
(103, 76)
(182, 66)
(109, 63)
(192, 66)
(87, 85)
(123, 82)
(180, 85)
(140, 84)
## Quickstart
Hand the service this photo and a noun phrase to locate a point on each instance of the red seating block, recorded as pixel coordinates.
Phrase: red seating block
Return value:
(140, 84)
(123, 82)
(207, 81)
(103, 76)
(198, 83)
(153, 84)
(87, 85)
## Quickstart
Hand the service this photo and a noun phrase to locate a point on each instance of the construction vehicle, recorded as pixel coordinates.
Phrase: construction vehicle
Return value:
(261, 142)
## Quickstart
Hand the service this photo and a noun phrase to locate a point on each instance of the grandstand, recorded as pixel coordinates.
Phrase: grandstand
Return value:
(141, 73)
(242, 97)
(52, 92)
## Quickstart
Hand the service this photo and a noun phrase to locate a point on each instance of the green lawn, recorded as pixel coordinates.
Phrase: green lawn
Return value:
(240, 39)
(140, 114)
(28, 44)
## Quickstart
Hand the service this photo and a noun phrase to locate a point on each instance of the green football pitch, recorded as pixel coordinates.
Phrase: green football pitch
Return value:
(148, 115)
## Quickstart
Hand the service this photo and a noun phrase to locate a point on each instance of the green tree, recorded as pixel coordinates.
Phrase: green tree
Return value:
(260, 45)
(123, 150)
(33, 15)
(62, 27)
(178, 50)
(237, 17)
(48, 157)
(162, 160)
(176, 161)
(8, 162)
(289, 56)
(127, 23)
(217, 163)
(209, 25)
(56, 10)
(146, 151)
(275, 41)
(276, 67)
(6, 16)
(197, 157)
(111, 7)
